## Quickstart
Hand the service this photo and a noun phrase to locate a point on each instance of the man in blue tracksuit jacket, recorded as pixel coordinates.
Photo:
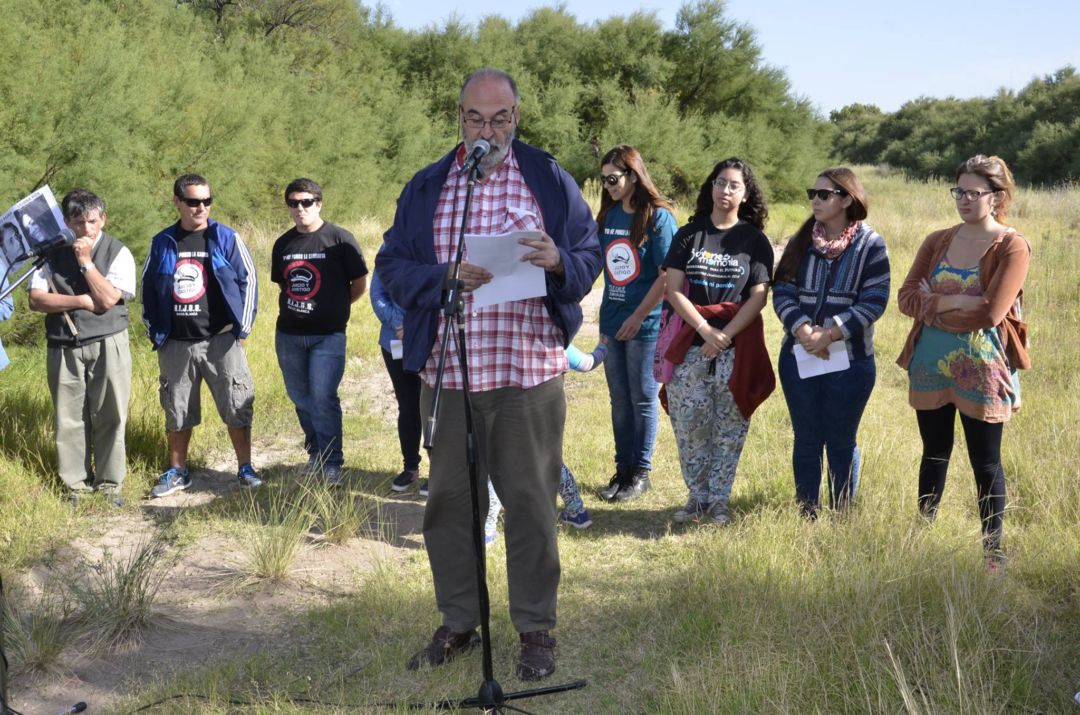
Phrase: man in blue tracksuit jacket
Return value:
(199, 295)
(516, 361)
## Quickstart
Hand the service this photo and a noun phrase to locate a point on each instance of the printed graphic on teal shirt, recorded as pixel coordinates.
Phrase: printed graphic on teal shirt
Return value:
(630, 272)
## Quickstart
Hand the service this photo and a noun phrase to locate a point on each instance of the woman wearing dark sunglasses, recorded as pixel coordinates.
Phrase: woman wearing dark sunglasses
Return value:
(636, 226)
(711, 350)
(964, 291)
(831, 286)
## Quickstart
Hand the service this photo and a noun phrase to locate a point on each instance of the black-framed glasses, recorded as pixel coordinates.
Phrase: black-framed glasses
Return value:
(475, 121)
(725, 185)
(195, 203)
(612, 179)
(306, 203)
(824, 194)
(958, 193)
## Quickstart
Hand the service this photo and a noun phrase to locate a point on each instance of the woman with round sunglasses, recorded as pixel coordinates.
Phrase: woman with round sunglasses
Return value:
(831, 286)
(711, 351)
(964, 292)
(636, 226)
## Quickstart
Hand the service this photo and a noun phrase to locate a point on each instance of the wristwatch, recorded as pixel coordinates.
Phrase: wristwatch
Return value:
(84, 267)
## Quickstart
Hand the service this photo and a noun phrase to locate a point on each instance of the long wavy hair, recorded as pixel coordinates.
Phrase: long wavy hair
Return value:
(841, 178)
(753, 210)
(646, 198)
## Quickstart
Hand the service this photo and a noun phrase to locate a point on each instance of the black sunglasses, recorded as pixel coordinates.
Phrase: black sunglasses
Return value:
(306, 203)
(194, 203)
(612, 179)
(824, 194)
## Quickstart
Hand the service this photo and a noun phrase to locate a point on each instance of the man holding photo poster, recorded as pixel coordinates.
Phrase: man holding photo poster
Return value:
(83, 292)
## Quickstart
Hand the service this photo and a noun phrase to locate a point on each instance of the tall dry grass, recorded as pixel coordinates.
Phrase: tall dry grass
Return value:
(873, 612)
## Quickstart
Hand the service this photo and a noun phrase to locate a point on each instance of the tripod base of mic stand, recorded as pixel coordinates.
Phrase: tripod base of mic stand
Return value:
(492, 699)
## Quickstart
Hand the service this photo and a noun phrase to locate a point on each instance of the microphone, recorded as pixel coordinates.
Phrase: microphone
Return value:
(76, 708)
(479, 151)
(66, 237)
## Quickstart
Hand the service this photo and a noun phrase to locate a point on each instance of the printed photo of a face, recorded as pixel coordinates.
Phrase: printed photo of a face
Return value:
(37, 221)
(11, 241)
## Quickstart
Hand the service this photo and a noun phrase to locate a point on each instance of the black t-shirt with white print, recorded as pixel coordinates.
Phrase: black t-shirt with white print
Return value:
(199, 310)
(314, 271)
(721, 265)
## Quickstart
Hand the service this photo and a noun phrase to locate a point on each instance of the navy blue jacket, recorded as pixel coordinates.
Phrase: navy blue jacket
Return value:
(230, 264)
(414, 279)
(387, 311)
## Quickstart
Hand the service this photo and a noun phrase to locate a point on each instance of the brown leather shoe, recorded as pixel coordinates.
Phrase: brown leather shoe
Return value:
(445, 645)
(537, 658)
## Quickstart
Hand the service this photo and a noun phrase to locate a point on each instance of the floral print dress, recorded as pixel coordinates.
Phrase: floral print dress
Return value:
(968, 370)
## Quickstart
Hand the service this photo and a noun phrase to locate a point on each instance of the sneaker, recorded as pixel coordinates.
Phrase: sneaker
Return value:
(639, 484)
(995, 562)
(111, 492)
(719, 515)
(333, 476)
(404, 481)
(423, 488)
(74, 498)
(248, 476)
(580, 520)
(173, 479)
(312, 462)
(445, 645)
(618, 480)
(537, 658)
(693, 511)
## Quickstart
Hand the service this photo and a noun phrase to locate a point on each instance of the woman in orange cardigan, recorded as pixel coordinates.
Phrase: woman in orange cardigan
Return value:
(964, 291)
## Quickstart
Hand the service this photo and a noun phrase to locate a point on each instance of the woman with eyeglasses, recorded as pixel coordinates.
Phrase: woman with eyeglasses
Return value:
(711, 352)
(636, 226)
(831, 286)
(964, 291)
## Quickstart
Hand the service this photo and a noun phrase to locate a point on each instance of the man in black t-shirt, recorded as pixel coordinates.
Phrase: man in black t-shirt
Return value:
(200, 296)
(321, 272)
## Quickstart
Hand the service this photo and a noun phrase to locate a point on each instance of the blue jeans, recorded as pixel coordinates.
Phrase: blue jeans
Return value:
(313, 366)
(633, 390)
(825, 413)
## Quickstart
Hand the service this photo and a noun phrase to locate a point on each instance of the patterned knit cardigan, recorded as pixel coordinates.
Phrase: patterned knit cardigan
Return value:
(850, 292)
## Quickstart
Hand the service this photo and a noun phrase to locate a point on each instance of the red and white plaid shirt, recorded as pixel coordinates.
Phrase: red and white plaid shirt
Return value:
(513, 344)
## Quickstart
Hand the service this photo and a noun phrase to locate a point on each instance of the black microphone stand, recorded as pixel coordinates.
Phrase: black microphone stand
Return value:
(491, 698)
(39, 261)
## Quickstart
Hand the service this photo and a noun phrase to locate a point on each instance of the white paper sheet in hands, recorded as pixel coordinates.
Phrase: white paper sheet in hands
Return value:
(811, 366)
(513, 279)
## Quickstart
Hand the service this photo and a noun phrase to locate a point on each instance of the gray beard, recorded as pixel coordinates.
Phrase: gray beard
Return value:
(496, 155)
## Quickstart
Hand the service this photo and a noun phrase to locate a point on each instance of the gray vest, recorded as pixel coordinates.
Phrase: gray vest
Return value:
(68, 280)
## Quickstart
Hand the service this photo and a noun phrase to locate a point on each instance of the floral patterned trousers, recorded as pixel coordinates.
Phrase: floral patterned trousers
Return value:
(709, 429)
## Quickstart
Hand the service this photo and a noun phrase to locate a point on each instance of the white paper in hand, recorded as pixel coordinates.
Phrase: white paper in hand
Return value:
(513, 279)
(812, 366)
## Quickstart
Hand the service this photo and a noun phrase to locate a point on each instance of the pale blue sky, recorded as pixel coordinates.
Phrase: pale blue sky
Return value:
(836, 52)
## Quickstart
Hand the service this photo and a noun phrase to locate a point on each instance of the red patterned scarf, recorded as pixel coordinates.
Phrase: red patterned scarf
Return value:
(833, 248)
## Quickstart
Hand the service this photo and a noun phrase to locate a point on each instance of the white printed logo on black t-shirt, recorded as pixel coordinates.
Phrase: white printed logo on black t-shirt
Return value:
(189, 280)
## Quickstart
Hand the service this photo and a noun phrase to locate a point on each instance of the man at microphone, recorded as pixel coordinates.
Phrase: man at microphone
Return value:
(83, 292)
(516, 361)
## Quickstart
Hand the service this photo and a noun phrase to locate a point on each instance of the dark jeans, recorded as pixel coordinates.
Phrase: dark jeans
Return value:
(984, 452)
(407, 392)
(634, 399)
(312, 366)
(825, 414)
